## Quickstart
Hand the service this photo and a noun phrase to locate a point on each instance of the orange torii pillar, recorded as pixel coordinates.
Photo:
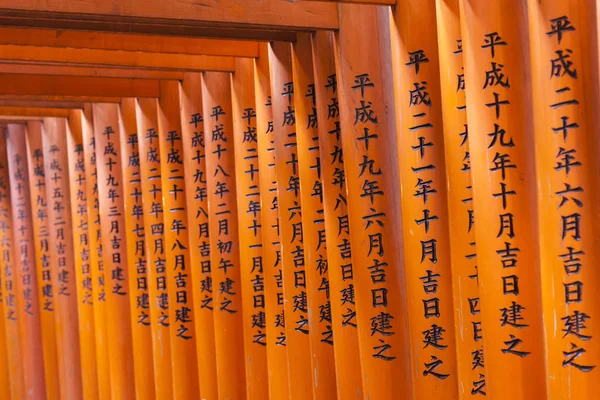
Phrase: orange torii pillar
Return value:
(337, 232)
(79, 216)
(423, 198)
(313, 221)
(277, 360)
(224, 240)
(463, 257)
(494, 44)
(24, 264)
(177, 244)
(54, 138)
(141, 332)
(250, 228)
(289, 202)
(9, 295)
(41, 233)
(194, 160)
(96, 258)
(364, 79)
(114, 249)
(566, 118)
(153, 211)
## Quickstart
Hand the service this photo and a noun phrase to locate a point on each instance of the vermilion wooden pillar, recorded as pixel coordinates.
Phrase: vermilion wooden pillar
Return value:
(114, 249)
(275, 315)
(290, 227)
(177, 243)
(501, 147)
(41, 233)
(564, 56)
(24, 264)
(83, 273)
(245, 139)
(54, 137)
(365, 85)
(194, 159)
(463, 255)
(151, 188)
(223, 232)
(96, 258)
(136, 252)
(335, 205)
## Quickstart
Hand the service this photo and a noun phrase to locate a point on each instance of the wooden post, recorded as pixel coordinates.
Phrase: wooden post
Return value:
(23, 256)
(177, 243)
(503, 171)
(96, 256)
(337, 231)
(289, 202)
(223, 232)
(83, 273)
(463, 255)
(364, 76)
(114, 249)
(41, 233)
(277, 360)
(194, 159)
(564, 56)
(54, 138)
(250, 228)
(313, 221)
(136, 252)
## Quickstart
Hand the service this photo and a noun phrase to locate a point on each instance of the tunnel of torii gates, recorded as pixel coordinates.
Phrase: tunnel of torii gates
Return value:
(272, 199)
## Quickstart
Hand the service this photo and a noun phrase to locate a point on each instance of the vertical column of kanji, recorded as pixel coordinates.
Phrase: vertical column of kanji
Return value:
(423, 197)
(96, 256)
(368, 141)
(245, 138)
(337, 229)
(179, 282)
(463, 257)
(54, 138)
(224, 240)
(192, 128)
(495, 45)
(83, 273)
(289, 202)
(41, 233)
(141, 331)
(114, 249)
(9, 284)
(24, 264)
(566, 113)
(277, 360)
(313, 220)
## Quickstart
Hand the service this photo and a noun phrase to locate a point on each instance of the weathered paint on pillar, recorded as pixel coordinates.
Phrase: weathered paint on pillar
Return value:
(194, 160)
(24, 264)
(274, 311)
(337, 231)
(495, 51)
(81, 253)
(289, 202)
(223, 232)
(177, 243)
(141, 331)
(564, 56)
(463, 255)
(313, 221)
(114, 249)
(250, 228)
(41, 233)
(364, 74)
(54, 138)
